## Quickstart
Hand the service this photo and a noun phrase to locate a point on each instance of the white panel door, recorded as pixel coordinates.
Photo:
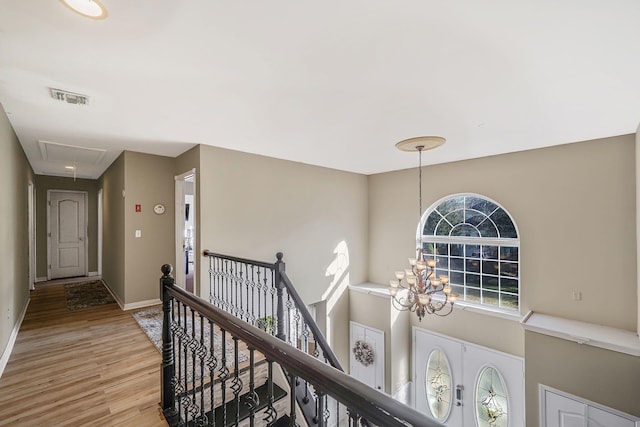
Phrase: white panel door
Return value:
(373, 374)
(440, 402)
(563, 410)
(67, 228)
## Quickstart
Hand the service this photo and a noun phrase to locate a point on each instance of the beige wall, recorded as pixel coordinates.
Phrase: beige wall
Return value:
(148, 181)
(15, 175)
(574, 206)
(45, 183)
(254, 206)
(113, 238)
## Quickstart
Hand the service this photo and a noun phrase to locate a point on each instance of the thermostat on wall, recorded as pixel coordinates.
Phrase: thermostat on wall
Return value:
(159, 209)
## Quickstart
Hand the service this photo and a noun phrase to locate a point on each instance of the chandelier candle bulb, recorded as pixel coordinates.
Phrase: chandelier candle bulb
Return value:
(444, 279)
(424, 299)
(411, 279)
(447, 290)
(393, 291)
(412, 261)
(394, 283)
(453, 298)
(431, 263)
(399, 275)
(421, 265)
(435, 283)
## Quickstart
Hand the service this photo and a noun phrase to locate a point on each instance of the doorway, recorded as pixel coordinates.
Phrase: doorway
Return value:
(31, 200)
(186, 263)
(66, 232)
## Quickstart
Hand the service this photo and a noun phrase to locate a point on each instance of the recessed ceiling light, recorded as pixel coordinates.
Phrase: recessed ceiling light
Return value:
(70, 168)
(90, 8)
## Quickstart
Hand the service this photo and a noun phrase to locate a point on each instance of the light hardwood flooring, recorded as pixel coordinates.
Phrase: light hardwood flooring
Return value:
(91, 367)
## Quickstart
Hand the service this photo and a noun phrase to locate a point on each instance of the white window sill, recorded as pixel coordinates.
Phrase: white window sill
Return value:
(383, 292)
(606, 337)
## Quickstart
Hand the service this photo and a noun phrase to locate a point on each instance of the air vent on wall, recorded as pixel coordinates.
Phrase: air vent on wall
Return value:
(70, 97)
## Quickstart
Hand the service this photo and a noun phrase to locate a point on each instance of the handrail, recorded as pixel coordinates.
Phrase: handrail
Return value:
(208, 253)
(357, 396)
(320, 339)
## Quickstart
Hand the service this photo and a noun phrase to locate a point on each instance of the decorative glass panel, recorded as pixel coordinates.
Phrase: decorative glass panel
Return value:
(491, 399)
(438, 385)
(465, 230)
(450, 205)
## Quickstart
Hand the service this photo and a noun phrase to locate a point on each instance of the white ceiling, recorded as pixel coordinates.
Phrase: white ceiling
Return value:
(331, 83)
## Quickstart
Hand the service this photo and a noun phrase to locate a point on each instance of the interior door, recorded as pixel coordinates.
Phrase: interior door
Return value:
(563, 410)
(67, 230)
(438, 377)
(371, 374)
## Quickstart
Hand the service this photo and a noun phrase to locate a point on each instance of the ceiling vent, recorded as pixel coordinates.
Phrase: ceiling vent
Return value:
(69, 97)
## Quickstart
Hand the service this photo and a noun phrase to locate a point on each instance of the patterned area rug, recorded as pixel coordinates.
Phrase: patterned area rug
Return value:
(150, 320)
(87, 294)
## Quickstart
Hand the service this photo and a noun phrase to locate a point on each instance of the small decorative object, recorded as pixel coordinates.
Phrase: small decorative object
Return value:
(363, 353)
(267, 324)
(159, 209)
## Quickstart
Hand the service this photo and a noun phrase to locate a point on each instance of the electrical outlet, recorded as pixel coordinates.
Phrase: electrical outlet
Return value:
(138, 233)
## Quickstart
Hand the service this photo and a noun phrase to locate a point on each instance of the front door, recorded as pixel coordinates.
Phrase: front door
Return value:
(67, 232)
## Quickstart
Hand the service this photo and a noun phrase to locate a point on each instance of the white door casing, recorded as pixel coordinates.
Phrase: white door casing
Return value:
(67, 231)
(31, 199)
(179, 271)
(372, 375)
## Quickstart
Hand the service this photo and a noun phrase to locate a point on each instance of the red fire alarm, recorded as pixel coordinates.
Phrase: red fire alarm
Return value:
(138, 208)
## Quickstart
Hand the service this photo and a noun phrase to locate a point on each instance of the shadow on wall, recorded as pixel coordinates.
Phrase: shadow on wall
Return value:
(339, 269)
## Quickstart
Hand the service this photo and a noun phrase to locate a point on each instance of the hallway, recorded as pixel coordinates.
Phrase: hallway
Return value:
(93, 366)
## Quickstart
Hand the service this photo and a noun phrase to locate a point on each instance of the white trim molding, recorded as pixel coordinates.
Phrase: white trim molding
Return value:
(606, 337)
(12, 339)
(141, 304)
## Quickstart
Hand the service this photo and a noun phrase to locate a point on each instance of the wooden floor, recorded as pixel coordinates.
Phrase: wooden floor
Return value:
(91, 367)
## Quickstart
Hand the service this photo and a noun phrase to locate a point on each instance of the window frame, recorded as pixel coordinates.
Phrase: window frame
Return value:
(499, 242)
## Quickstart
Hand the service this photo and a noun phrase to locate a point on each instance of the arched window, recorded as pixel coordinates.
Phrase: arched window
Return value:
(475, 243)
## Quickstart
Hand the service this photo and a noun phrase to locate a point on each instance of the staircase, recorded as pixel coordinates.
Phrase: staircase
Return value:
(253, 355)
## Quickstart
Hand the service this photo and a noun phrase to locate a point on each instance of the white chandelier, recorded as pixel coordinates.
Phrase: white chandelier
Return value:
(423, 293)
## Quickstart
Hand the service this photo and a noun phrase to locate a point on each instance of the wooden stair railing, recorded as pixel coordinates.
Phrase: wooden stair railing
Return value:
(199, 373)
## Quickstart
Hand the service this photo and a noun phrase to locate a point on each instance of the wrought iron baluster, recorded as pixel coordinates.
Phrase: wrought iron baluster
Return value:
(252, 315)
(320, 407)
(211, 365)
(293, 381)
(253, 399)
(270, 413)
(236, 384)
(223, 375)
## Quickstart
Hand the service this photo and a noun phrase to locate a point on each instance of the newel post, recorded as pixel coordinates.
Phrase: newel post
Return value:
(281, 334)
(167, 371)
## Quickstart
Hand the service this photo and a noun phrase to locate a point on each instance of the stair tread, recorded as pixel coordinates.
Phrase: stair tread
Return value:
(261, 391)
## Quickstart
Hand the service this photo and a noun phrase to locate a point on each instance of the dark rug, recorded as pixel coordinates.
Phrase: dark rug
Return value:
(150, 320)
(87, 294)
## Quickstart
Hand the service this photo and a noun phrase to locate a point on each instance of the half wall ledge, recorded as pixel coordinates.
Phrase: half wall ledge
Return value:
(614, 339)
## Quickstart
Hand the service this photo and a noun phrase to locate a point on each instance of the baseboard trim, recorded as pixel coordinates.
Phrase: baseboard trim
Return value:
(92, 273)
(141, 304)
(133, 305)
(41, 279)
(12, 339)
(113, 294)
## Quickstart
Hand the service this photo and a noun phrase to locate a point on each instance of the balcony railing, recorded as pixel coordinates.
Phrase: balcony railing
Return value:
(220, 370)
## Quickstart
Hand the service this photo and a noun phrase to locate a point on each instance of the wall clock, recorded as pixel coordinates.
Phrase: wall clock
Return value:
(159, 209)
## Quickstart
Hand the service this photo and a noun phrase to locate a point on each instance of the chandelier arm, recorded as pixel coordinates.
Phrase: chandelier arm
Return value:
(401, 305)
